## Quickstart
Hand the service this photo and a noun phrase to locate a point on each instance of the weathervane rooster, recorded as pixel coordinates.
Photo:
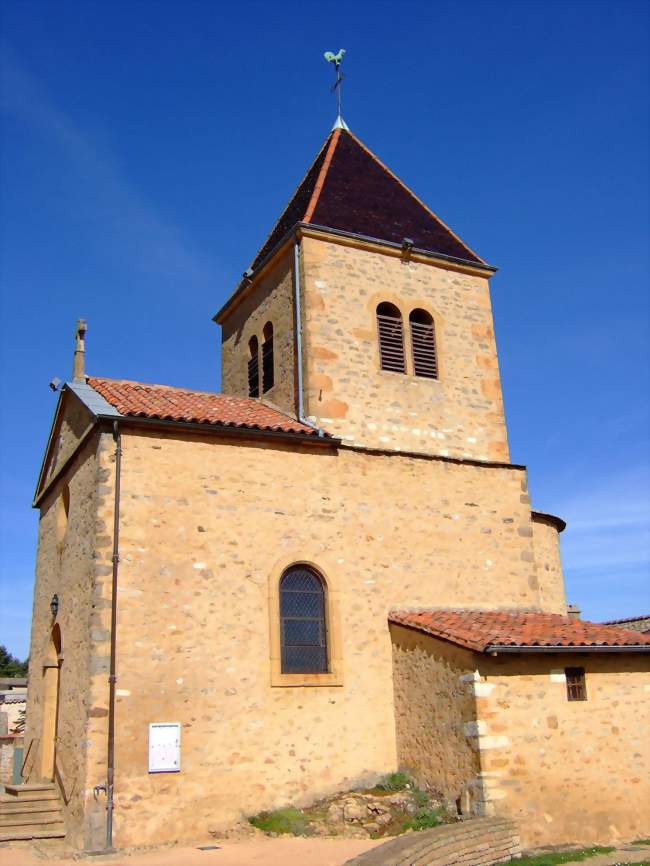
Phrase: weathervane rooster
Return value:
(336, 59)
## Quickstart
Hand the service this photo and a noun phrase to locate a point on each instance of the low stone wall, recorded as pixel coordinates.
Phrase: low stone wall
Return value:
(477, 842)
(7, 745)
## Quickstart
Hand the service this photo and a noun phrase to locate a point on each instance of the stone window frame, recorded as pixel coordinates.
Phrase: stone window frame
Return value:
(262, 355)
(431, 361)
(576, 684)
(267, 357)
(406, 307)
(334, 676)
(253, 367)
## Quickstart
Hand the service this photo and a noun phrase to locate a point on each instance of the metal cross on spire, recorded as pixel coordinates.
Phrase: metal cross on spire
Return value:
(337, 59)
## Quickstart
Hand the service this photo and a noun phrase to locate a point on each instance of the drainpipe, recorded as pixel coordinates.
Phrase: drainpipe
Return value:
(110, 771)
(298, 328)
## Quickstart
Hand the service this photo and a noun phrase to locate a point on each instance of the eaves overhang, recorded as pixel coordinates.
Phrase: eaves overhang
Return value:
(497, 649)
(229, 430)
(306, 229)
(105, 415)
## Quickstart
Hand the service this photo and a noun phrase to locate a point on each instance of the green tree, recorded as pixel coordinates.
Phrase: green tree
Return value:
(10, 666)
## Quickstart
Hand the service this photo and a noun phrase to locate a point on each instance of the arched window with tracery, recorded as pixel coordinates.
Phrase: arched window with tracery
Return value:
(268, 376)
(423, 344)
(391, 338)
(253, 367)
(303, 623)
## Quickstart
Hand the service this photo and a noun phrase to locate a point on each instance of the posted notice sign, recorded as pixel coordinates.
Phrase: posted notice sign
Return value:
(165, 747)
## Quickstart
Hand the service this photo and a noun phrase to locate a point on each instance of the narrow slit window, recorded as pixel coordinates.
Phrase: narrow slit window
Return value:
(423, 344)
(391, 338)
(576, 686)
(268, 374)
(253, 368)
(303, 629)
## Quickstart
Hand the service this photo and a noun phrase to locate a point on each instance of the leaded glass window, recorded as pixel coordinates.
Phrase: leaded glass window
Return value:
(303, 630)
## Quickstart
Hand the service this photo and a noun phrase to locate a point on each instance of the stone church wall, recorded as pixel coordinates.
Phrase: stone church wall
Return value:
(74, 420)
(206, 525)
(460, 414)
(546, 542)
(65, 566)
(433, 710)
(567, 771)
(270, 300)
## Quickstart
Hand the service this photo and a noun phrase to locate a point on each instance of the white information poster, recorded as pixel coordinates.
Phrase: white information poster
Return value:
(165, 747)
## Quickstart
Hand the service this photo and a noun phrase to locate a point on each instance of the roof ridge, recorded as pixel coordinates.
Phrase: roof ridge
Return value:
(320, 181)
(166, 387)
(414, 196)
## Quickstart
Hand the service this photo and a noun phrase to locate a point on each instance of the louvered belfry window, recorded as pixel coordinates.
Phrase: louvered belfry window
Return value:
(303, 630)
(391, 338)
(423, 344)
(267, 358)
(253, 368)
(576, 686)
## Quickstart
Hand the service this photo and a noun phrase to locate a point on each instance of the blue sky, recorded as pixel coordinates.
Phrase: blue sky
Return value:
(149, 146)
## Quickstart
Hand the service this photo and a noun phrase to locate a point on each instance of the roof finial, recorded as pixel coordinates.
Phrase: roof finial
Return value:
(337, 59)
(78, 367)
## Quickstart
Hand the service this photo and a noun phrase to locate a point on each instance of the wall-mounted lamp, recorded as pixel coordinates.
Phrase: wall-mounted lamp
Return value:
(54, 605)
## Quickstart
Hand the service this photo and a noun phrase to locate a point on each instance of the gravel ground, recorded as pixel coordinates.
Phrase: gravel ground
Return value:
(259, 851)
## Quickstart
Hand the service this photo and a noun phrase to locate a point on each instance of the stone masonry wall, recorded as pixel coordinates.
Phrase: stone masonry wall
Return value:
(546, 542)
(65, 566)
(74, 420)
(460, 414)
(271, 300)
(433, 711)
(206, 525)
(567, 771)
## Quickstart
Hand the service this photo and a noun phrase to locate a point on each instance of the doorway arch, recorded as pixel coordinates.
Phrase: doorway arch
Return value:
(51, 686)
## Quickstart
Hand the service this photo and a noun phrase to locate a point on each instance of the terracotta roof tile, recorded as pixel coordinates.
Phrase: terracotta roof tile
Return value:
(349, 189)
(479, 629)
(138, 400)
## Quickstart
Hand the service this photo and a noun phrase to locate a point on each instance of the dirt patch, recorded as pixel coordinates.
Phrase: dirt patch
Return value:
(386, 810)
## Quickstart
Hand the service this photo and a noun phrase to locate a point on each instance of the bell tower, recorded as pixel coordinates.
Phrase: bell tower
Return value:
(381, 316)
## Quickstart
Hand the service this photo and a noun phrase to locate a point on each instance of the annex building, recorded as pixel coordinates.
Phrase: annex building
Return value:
(327, 571)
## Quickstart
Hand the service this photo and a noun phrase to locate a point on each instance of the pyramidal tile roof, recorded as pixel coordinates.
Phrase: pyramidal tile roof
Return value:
(482, 630)
(139, 400)
(349, 189)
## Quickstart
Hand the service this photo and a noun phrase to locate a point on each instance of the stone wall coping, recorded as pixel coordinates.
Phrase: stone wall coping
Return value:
(483, 841)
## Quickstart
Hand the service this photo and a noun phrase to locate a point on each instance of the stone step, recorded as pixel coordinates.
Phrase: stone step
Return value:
(11, 800)
(28, 806)
(27, 820)
(24, 834)
(30, 790)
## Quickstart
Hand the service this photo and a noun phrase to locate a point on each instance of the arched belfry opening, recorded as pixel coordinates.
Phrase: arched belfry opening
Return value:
(51, 687)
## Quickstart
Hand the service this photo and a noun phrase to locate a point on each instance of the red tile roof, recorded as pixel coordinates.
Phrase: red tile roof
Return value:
(481, 630)
(349, 189)
(137, 400)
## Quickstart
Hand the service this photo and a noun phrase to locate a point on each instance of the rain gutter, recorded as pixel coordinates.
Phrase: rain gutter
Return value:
(630, 648)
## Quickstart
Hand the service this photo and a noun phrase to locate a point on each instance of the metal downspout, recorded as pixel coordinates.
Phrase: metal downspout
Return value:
(110, 771)
(298, 327)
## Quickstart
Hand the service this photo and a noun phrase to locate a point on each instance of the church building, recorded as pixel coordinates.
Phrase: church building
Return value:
(326, 572)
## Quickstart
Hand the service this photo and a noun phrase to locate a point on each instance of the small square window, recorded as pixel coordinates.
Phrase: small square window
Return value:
(576, 687)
